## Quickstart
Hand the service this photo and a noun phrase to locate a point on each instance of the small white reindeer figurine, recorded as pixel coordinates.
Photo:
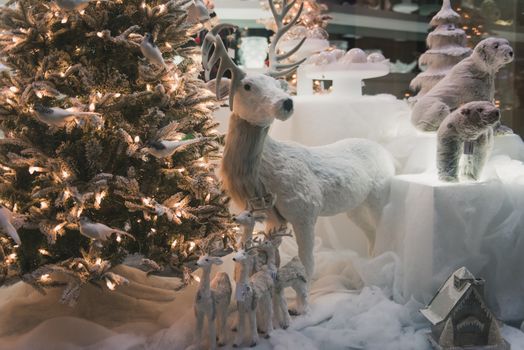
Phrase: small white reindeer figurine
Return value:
(351, 175)
(247, 221)
(252, 293)
(212, 301)
(293, 275)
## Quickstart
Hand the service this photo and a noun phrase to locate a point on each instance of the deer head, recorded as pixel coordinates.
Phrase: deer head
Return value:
(255, 98)
(273, 238)
(249, 218)
(206, 260)
(255, 211)
(243, 254)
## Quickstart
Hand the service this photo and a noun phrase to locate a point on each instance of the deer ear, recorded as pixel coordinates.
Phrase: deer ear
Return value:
(223, 91)
(217, 261)
(284, 85)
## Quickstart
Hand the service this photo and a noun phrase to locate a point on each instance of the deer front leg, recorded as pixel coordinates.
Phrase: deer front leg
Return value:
(269, 320)
(253, 325)
(240, 324)
(199, 326)
(222, 326)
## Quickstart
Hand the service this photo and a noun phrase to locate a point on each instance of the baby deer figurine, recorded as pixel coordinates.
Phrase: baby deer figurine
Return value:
(293, 275)
(247, 221)
(253, 214)
(212, 301)
(252, 293)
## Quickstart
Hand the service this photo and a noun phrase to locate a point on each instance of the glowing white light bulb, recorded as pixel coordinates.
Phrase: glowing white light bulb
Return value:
(43, 251)
(110, 285)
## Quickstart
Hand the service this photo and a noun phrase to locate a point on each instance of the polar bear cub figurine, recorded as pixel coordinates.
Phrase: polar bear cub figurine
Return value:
(472, 79)
(470, 125)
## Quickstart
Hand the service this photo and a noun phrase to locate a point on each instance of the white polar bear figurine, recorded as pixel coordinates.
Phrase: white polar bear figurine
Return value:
(472, 79)
(471, 124)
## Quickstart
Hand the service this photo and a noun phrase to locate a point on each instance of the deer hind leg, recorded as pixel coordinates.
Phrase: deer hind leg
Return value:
(212, 332)
(305, 235)
(222, 325)
(361, 216)
(253, 325)
(261, 319)
(301, 297)
(263, 314)
(284, 320)
(367, 215)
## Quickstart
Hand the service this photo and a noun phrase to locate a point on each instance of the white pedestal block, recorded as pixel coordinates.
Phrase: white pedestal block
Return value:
(436, 228)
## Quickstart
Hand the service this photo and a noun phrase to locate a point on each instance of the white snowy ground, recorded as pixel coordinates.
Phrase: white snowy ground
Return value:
(352, 307)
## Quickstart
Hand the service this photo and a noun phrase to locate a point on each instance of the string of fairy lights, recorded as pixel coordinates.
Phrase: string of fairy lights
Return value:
(176, 208)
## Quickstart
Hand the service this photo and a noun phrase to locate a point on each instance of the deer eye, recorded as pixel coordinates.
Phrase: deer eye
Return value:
(207, 259)
(247, 87)
(496, 46)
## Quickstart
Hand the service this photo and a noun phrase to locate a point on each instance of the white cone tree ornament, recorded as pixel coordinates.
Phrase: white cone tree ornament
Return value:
(447, 47)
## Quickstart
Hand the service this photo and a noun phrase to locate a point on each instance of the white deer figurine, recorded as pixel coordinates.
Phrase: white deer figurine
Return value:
(252, 293)
(247, 221)
(351, 175)
(291, 275)
(212, 301)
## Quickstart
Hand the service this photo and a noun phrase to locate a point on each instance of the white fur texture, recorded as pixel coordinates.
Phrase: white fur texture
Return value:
(472, 79)
(349, 175)
(474, 123)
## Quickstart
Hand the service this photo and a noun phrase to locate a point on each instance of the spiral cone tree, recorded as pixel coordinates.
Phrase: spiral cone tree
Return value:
(447, 45)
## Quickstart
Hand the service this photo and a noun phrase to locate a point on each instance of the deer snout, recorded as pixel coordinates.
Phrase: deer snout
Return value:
(288, 105)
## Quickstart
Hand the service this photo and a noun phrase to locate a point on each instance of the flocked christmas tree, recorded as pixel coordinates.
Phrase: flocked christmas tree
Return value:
(447, 46)
(105, 123)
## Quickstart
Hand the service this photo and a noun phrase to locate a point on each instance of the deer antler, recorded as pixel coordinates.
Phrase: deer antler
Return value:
(262, 203)
(220, 55)
(285, 232)
(277, 69)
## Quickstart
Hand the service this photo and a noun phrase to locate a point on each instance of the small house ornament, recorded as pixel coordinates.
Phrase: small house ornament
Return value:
(460, 317)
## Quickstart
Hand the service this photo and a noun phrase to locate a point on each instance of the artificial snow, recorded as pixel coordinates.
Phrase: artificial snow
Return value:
(352, 307)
